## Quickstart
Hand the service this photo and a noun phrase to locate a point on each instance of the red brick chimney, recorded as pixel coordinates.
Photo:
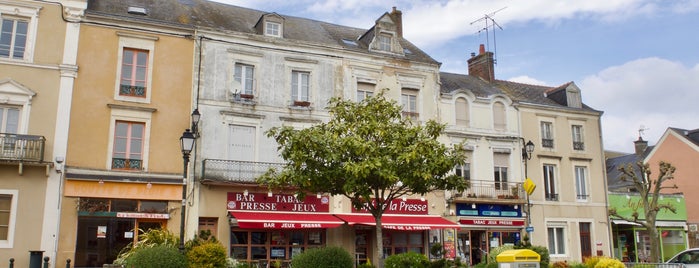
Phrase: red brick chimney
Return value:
(397, 17)
(482, 65)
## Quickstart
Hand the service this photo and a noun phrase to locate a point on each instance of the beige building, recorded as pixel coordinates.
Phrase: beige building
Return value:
(569, 206)
(131, 102)
(37, 69)
(497, 119)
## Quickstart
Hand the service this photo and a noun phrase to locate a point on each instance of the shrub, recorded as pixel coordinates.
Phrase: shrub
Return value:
(407, 260)
(158, 256)
(543, 253)
(207, 255)
(151, 238)
(331, 257)
(494, 252)
(577, 265)
(609, 263)
(559, 264)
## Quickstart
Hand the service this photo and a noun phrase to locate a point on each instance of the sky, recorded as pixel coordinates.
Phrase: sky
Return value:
(635, 60)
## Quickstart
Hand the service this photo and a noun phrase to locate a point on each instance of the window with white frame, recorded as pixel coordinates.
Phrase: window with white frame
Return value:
(273, 29)
(244, 75)
(546, 134)
(13, 37)
(134, 71)
(129, 138)
(499, 120)
(556, 237)
(502, 163)
(462, 112)
(135, 67)
(408, 99)
(127, 153)
(364, 90)
(18, 24)
(463, 170)
(581, 183)
(578, 143)
(384, 41)
(550, 192)
(9, 119)
(300, 83)
(8, 214)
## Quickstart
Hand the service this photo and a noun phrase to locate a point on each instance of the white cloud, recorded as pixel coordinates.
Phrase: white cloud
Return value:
(527, 80)
(652, 92)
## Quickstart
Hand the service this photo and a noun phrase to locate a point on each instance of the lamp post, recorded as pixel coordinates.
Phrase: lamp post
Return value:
(186, 144)
(527, 151)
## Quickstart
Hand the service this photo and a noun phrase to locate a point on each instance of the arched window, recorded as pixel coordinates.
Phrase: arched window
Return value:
(499, 122)
(462, 112)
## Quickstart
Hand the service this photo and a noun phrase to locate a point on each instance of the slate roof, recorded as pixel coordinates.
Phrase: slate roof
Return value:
(518, 92)
(690, 135)
(614, 182)
(228, 18)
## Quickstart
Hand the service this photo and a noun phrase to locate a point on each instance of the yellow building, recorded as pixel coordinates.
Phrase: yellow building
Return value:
(132, 100)
(37, 68)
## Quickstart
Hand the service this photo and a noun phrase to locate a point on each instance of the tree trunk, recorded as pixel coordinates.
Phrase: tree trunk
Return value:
(379, 243)
(654, 242)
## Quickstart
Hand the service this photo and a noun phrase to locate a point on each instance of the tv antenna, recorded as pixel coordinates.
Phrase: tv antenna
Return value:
(490, 23)
(641, 129)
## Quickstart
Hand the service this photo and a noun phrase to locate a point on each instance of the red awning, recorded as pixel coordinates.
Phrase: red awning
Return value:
(400, 222)
(284, 220)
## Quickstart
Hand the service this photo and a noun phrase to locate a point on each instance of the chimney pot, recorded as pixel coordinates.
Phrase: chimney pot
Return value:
(482, 65)
(481, 49)
(473, 54)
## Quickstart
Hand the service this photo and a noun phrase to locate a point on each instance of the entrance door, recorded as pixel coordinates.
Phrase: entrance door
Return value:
(479, 246)
(585, 241)
(100, 239)
(362, 245)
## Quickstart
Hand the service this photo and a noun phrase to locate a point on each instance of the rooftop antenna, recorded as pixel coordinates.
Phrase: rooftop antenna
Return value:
(641, 129)
(490, 23)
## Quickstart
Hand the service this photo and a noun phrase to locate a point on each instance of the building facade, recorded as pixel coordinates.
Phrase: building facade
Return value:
(131, 101)
(569, 205)
(268, 70)
(37, 68)
(567, 210)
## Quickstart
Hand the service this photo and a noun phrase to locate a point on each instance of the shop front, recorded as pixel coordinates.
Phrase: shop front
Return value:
(407, 227)
(486, 226)
(268, 228)
(111, 215)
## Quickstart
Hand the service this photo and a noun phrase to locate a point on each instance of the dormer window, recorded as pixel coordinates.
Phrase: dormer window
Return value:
(273, 29)
(384, 42)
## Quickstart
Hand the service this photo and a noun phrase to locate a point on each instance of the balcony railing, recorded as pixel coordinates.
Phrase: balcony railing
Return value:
(235, 171)
(22, 147)
(482, 189)
(547, 143)
(578, 145)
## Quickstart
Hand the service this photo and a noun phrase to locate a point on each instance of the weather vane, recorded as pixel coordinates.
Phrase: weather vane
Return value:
(490, 23)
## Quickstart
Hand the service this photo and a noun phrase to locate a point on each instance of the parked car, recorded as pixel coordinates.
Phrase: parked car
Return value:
(688, 257)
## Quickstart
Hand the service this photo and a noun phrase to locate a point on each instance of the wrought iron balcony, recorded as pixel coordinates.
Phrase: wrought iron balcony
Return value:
(235, 171)
(578, 145)
(22, 147)
(547, 143)
(482, 190)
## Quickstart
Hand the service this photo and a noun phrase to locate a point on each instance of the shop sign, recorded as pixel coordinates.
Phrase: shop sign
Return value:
(488, 210)
(492, 222)
(398, 206)
(284, 225)
(277, 202)
(406, 227)
(138, 215)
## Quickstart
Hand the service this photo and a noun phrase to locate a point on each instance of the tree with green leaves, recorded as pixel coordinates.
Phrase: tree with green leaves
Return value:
(650, 191)
(368, 153)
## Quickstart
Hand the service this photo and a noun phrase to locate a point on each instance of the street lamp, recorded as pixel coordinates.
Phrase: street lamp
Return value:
(186, 144)
(527, 151)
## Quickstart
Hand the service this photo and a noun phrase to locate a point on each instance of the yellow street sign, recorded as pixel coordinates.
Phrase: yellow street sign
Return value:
(529, 186)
